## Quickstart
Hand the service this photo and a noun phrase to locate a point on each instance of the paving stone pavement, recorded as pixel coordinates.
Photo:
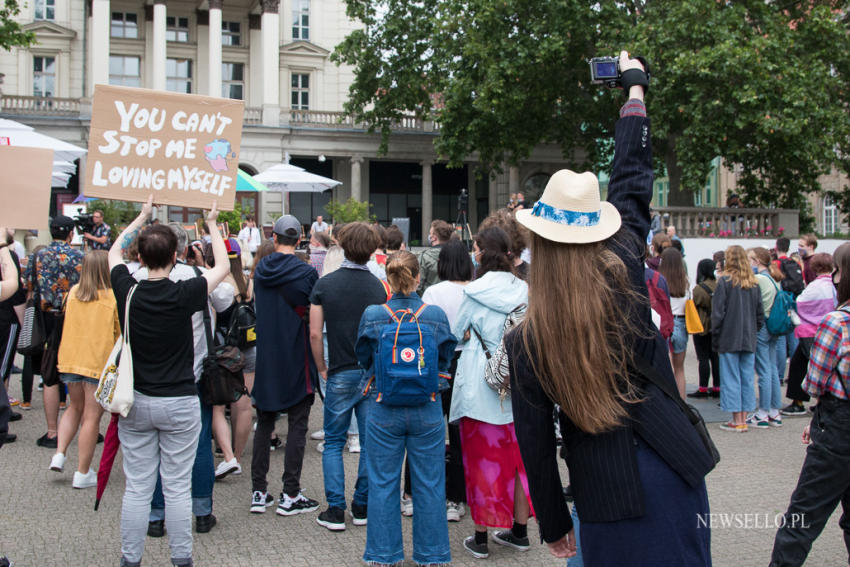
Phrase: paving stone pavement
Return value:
(46, 523)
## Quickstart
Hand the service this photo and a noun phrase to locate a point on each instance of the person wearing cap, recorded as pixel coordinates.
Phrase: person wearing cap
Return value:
(286, 375)
(57, 268)
(636, 463)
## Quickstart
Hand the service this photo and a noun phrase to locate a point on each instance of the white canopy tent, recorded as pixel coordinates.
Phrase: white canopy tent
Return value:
(16, 134)
(288, 178)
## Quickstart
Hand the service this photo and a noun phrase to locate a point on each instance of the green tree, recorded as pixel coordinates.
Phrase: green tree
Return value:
(349, 211)
(761, 84)
(233, 218)
(11, 34)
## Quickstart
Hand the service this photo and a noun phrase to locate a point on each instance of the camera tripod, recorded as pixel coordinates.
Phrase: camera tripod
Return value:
(462, 224)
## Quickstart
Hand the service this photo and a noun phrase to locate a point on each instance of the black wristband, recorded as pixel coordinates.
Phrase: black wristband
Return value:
(632, 77)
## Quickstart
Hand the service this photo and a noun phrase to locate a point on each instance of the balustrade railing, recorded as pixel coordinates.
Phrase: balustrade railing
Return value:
(253, 116)
(699, 222)
(39, 105)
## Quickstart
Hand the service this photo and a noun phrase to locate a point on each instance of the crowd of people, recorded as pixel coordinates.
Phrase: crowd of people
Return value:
(410, 355)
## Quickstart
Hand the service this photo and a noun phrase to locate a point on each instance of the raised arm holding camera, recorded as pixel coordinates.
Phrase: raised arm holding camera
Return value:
(637, 464)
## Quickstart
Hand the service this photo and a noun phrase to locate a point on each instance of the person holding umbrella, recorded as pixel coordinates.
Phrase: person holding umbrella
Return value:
(161, 430)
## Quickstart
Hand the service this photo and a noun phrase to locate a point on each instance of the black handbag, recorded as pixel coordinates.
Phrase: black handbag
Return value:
(222, 381)
(32, 336)
(50, 358)
(651, 374)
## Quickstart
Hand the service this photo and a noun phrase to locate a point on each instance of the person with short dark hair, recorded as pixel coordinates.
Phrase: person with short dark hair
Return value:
(518, 234)
(338, 300)
(99, 237)
(250, 234)
(160, 432)
(319, 226)
(285, 378)
(57, 268)
(394, 240)
(439, 233)
(806, 248)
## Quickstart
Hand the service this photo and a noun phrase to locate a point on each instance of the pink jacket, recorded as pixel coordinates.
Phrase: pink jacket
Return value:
(817, 300)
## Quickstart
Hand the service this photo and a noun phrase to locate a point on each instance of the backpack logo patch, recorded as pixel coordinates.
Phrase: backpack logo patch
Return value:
(407, 355)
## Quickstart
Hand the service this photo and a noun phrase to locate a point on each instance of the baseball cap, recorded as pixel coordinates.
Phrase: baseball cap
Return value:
(62, 221)
(287, 225)
(233, 249)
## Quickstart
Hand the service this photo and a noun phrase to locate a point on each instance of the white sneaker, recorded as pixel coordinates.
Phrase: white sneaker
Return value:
(318, 435)
(87, 480)
(57, 463)
(353, 443)
(321, 447)
(406, 506)
(224, 468)
(454, 511)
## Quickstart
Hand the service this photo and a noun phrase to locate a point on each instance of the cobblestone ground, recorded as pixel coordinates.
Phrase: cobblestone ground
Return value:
(46, 523)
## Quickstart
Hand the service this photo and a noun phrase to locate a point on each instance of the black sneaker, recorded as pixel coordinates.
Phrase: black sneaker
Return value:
(15, 416)
(477, 550)
(287, 506)
(276, 443)
(333, 518)
(10, 438)
(715, 393)
(507, 538)
(203, 524)
(156, 528)
(47, 442)
(699, 394)
(260, 501)
(793, 410)
(359, 514)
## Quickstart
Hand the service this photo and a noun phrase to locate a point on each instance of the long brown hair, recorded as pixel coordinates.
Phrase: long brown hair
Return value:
(573, 331)
(672, 267)
(402, 269)
(738, 267)
(238, 276)
(94, 276)
(762, 256)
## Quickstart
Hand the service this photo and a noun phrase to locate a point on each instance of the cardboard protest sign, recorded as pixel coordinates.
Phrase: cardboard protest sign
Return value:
(25, 190)
(182, 148)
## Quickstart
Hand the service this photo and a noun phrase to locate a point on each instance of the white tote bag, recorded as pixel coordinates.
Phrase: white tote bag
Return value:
(115, 389)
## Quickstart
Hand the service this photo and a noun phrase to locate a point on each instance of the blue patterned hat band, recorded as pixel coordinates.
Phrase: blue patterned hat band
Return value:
(564, 216)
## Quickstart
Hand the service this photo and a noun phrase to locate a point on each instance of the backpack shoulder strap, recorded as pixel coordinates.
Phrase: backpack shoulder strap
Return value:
(387, 289)
(391, 312)
(706, 288)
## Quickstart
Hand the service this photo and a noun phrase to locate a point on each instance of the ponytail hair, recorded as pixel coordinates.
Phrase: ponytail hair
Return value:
(402, 271)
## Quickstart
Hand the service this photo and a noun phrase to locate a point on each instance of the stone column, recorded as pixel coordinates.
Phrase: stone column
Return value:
(271, 62)
(214, 70)
(513, 181)
(158, 44)
(427, 197)
(99, 44)
(356, 179)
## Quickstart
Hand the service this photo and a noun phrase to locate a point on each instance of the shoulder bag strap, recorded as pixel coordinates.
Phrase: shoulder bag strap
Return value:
(207, 319)
(706, 288)
(486, 350)
(127, 315)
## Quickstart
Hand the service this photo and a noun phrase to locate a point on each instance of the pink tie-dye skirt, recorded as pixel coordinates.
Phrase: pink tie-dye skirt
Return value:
(491, 462)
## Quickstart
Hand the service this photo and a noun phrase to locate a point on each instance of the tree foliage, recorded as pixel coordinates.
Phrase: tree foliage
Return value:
(349, 211)
(761, 84)
(11, 34)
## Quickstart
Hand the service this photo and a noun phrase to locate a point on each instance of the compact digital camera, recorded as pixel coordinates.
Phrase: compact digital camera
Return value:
(606, 71)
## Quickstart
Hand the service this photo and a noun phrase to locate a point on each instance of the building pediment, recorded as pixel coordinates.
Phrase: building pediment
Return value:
(50, 30)
(304, 48)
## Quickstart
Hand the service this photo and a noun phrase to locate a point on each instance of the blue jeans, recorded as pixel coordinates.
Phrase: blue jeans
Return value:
(770, 392)
(342, 396)
(679, 339)
(576, 560)
(353, 428)
(785, 347)
(737, 374)
(420, 430)
(203, 474)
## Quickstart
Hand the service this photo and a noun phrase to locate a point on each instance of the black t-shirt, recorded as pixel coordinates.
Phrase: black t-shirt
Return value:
(161, 331)
(344, 295)
(7, 311)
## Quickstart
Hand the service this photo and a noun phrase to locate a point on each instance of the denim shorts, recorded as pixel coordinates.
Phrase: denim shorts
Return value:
(679, 340)
(68, 378)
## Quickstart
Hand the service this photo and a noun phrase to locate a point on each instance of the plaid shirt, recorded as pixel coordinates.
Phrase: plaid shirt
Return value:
(829, 363)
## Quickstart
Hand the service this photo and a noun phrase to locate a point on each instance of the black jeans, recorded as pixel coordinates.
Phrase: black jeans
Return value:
(797, 368)
(296, 439)
(709, 362)
(455, 482)
(824, 482)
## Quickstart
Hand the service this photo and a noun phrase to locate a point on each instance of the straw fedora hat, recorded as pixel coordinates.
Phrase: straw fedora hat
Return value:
(571, 211)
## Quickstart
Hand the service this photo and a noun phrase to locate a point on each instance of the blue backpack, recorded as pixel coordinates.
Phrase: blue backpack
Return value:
(779, 321)
(406, 371)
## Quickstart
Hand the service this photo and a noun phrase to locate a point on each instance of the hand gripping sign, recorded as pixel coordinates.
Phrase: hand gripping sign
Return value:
(182, 148)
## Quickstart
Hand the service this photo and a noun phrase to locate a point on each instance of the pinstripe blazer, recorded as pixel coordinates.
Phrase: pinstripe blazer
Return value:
(603, 467)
